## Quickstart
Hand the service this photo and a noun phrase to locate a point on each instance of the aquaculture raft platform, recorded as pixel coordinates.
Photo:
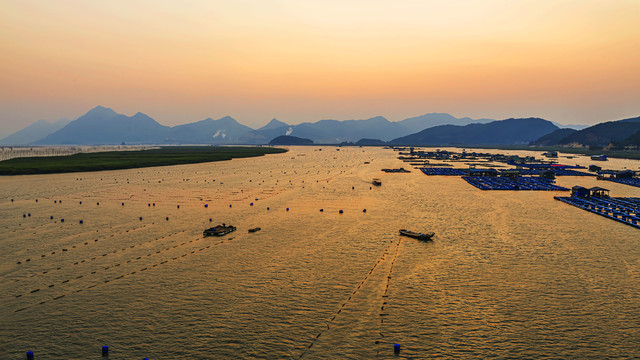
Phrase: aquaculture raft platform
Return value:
(443, 171)
(626, 181)
(623, 209)
(521, 183)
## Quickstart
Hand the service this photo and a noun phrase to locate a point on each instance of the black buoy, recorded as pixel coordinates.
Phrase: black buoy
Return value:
(30, 355)
(340, 211)
(149, 205)
(267, 208)
(81, 222)
(178, 206)
(29, 214)
(36, 200)
(51, 217)
(97, 203)
(140, 218)
(80, 202)
(11, 200)
(24, 215)
(364, 210)
(122, 204)
(167, 218)
(61, 220)
(229, 205)
(105, 350)
(210, 220)
(321, 210)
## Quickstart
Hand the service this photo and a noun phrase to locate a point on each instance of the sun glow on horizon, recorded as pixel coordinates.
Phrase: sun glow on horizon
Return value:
(568, 61)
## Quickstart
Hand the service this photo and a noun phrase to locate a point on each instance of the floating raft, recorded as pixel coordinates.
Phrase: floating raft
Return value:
(443, 171)
(623, 209)
(557, 171)
(520, 183)
(626, 181)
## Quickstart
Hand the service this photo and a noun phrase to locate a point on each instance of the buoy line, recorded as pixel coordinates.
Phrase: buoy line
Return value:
(353, 293)
(385, 296)
(127, 274)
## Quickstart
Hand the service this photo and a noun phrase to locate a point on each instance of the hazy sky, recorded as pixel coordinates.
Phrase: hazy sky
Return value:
(297, 60)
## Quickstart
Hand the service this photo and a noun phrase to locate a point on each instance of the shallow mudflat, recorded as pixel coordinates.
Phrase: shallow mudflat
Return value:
(509, 273)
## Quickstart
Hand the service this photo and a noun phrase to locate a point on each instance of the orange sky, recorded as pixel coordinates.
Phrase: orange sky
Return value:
(182, 61)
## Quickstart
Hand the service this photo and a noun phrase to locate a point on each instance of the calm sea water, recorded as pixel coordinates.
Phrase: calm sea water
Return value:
(508, 275)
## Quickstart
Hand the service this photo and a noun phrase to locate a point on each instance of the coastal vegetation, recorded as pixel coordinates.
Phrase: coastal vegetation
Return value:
(115, 160)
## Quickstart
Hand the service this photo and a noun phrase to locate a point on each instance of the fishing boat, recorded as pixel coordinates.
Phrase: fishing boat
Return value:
(219, 230)
(376, 182)
(254, 230)
(416, 235)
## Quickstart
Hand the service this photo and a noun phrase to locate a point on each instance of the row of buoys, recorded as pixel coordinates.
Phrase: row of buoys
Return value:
(105, 352)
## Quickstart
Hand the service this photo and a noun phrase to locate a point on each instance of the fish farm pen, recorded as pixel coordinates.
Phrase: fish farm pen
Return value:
(462, 172)
(506, 183)
(623, 209)
(443, 171)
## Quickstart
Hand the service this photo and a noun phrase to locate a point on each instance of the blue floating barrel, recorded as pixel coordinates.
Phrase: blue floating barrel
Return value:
(30, 355)
(140, 218)
(267, 208)
(167, 218)
(80, 202)
(24, 215)
(97, 203)
(229, 205)
(251, 204)
(122, 204)
(105, 350)
(396, 348)
(287, 209)
(178, 206)
(341, 211)
(29, 214)
(206, 205)
(364, 210)
(210, 220)
(81, 222)
(51, 217)
(321, 210)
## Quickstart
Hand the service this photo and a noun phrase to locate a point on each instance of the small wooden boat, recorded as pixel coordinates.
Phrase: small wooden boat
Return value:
(254, 230)
(416, 235)
(219, 230)
(376, 182)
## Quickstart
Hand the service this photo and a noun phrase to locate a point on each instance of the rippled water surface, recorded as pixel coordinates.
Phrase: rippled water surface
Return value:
(509, 273)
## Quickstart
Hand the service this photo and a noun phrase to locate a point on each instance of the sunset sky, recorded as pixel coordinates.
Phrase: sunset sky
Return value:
(574, 62)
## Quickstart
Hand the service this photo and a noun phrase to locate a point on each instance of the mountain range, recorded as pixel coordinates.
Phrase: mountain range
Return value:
(103, 126)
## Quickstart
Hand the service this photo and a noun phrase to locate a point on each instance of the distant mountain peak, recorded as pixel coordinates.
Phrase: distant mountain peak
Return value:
(101, 110)
(274, 124)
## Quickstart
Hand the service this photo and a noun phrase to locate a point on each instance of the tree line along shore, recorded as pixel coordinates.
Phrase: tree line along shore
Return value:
(117, 160)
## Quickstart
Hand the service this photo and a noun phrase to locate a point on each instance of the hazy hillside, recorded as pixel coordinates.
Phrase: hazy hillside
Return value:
(426, 121)
(604, 133)
(34, 132)
(222, 131)
(102, 126)
(504, 132)
(553, 138)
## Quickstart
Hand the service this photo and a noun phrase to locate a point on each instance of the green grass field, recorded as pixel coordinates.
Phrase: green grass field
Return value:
(114, 160)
